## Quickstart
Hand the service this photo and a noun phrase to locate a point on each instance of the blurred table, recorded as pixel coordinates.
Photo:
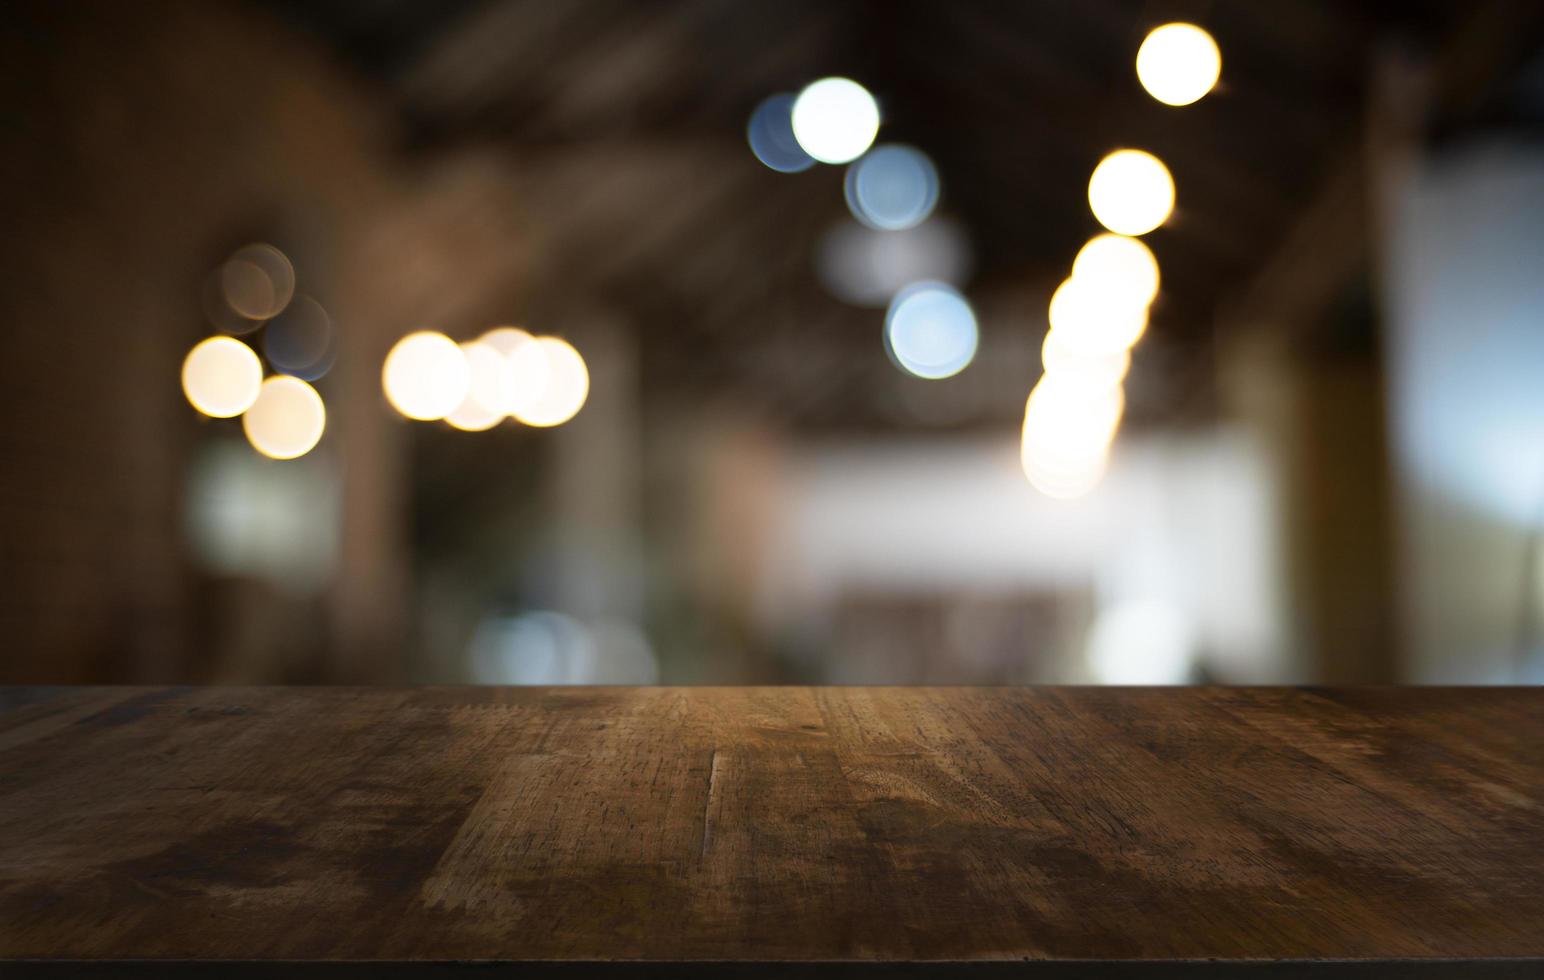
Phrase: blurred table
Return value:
(746, 832)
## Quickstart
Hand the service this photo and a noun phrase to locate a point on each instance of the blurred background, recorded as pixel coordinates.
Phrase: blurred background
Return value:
(735, 309)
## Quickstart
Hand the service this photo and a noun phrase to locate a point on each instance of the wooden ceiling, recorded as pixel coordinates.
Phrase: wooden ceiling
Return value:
(622, 126)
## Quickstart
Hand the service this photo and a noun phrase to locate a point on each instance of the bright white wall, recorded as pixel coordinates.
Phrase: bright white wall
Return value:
(1187, 521)
(1465, 296)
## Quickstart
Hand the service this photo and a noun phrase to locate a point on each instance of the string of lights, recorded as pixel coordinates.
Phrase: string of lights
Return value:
(1096, 315)
(538, 381)
(1099, 313)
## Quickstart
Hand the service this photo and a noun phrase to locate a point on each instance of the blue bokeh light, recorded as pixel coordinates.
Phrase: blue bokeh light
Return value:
(892, 187)
(930, 330)
(299, 341)
(770, 134)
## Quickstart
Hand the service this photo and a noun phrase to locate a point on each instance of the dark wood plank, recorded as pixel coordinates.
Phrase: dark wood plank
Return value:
(866, 826)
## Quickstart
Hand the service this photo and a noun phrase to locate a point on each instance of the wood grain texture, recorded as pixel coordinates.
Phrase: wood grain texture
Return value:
(771, 824)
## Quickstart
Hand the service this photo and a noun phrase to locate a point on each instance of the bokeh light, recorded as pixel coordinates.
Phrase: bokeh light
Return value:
(1095, 321)
(892, 187)
(1068, 427)
(287, 420)
(1178, 63)
(488, 392)
(835, 120)
(1097, 370)
(221, 377)
(567, 384)
(1131, 192)
(425, 376)
(471, 416)
(257, 281)
(218, 311)
(490, 381)
(528, 371)
(770, 134)
(1067, 420)
(930, 330)
(505, 340)
(1065, 479)
(1118, 264)
(299, 340)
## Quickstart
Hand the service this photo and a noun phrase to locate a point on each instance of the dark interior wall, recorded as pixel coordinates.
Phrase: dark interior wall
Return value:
(142, 142)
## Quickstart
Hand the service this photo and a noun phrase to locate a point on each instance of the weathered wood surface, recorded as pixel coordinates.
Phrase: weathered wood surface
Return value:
(771, 824)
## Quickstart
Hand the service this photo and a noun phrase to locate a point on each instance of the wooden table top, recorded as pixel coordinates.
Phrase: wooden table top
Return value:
(1022, 826)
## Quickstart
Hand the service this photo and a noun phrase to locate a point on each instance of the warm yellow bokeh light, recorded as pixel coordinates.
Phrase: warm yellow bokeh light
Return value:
(1118, 264)
(1178, 63)
(490, 378)
(425, 376)
(1067, 361)
(505, 340)
(1131, 192)
(532, 374)
(1067, 420)
(287, 419)
(567, 384)
(1060, 474)
(527, 366)
(221, 377)
(1050, 452)
(1093, 321)
(488, 393)
(1068, 427)
(472, 416)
